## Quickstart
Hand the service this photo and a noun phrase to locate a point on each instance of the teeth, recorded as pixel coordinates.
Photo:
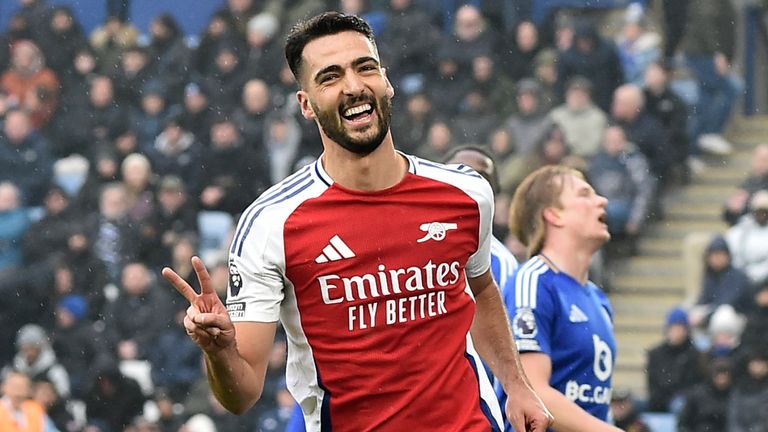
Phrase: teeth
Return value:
(357, 110)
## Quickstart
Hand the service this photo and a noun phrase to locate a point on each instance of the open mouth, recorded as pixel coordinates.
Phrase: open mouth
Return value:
(358, 114)
(603, 218)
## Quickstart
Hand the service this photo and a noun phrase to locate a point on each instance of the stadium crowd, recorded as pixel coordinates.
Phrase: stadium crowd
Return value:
(121, 153)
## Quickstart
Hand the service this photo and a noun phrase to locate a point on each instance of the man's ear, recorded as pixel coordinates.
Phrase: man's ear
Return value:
(306, 107)
(390, 88)
(552, 216)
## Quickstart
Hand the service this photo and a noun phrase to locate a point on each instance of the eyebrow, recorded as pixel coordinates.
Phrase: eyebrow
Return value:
(336, 68)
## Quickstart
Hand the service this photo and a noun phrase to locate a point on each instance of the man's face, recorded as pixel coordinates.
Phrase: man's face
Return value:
(582, 210)
(17, 127)
(346, 91)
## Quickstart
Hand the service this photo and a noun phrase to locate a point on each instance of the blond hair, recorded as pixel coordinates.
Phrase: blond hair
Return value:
(539, 190)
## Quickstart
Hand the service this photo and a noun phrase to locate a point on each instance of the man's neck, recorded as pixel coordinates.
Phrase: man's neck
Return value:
(381, 169)
(570, 257)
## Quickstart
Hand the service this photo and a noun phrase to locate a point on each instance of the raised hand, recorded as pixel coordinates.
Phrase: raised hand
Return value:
(207, 321)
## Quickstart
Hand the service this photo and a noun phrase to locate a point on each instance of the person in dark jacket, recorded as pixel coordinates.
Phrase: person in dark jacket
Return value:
(76, 343)
(723, 283)
(177, 152)
(49, 235)
(749, 397)
(626, 416)
(592, 57)
(756, 330)
(61, 40)
(175, 359)
(113, 400)
(25, 158)
(408, 41)
(706, 404)
(674, 366)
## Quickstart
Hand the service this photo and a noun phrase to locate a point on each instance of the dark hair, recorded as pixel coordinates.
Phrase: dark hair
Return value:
(493, 177)
(324, 24)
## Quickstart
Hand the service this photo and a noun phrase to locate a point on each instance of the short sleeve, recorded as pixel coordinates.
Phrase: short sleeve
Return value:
(531, 312)
(256, 278)
(480, 261)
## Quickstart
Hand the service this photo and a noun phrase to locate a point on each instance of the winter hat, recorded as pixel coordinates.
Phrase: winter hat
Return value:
(31, 334)
(726, 320)
(75, 304)
(677, 315)
(718, 243)
(759, 200)
(264, 23)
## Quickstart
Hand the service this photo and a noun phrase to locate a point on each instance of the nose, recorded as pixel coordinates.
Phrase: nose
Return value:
(602, 201)
(353, 85)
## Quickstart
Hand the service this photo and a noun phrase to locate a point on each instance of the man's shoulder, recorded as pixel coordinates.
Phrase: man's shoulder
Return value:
(531, 279)
(459, 176)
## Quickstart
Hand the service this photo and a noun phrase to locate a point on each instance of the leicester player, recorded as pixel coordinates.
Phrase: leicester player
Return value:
(562, 322)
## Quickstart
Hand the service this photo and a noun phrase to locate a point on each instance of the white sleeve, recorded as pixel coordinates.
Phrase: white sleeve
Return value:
(480, 261)
(256, 272)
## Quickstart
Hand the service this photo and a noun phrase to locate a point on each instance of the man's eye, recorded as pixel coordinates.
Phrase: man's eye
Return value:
(328, 78)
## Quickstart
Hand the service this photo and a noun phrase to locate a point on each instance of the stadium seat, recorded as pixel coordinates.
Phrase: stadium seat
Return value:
(215, 228)
(660, 422)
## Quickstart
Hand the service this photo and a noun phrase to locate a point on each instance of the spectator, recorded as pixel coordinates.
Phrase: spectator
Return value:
(231, 178)
(176, 151)
(251, 115)
(114, 236)
(748, 239)
(663, 104)
(35, 358)
(263, 54)
(219, 29)
(55, 406)
(477, 116)
(496, 89)
(197, 115)
(30, 83)
(518, 59)
(581, 121)
(87, 273)
(113, 400)
(412, 127)
(16, 405)
(638, 46)
(75, 85)
(621, 174)
(725, 330)
(25, 158)
(111, 40)
(591, 56)
(642, 129)
(135, 320)
(675, 12)
(625, 415)
(674, 366)
(709, 44)
(38, 14)
(169, 419)
(282, 142)
(528, 126)
(173, 220)
(62, 39)
(170, 55)
(439, 142)
(148, 121)
(14, 223)
(238, 12)
(471, 37)
(736, 206)
(749, 396)
(447, 88)
(77, 343)
(175, 359)
(50, 234)
(96, 124)
(723, 283)
(706, 404)
(226, 78)
(408, 43)
(138, 181)
(756, 329)
(131, 73)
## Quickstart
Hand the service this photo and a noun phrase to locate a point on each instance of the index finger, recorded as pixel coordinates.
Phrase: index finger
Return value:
(180, 284)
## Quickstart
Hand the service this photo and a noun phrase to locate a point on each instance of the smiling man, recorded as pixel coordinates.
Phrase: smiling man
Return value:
(376, 263)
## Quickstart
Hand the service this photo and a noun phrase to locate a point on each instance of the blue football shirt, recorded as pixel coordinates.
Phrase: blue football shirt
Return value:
(552, 313)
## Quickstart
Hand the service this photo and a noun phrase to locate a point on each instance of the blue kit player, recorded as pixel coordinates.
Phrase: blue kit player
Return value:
(562, 321)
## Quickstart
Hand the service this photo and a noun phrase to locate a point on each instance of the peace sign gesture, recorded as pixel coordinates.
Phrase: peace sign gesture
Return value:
(207, 321)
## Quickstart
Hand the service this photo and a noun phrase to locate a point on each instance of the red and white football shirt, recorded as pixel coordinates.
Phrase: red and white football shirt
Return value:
(372, 292)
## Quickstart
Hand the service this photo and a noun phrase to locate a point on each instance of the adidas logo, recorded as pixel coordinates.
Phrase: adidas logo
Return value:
(336, 250)
(577, 315)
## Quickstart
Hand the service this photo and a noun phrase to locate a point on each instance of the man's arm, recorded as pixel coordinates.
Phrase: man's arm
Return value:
(492, 335)
(569, 417)
(236, 356)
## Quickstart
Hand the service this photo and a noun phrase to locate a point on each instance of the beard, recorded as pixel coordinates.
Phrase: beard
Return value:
(332, 124)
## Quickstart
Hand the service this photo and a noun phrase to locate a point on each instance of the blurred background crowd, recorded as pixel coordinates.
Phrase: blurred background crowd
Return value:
(123, 151)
